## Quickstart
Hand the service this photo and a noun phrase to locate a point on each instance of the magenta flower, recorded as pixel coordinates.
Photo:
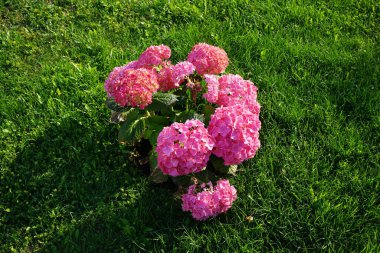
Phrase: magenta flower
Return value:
(170, 77)
(164, 78)
(181, 70)
(208, 59)
(184, 148)
(212, 88)
(231, 90)
(210, 201)
(236, 133)
(131, 87)
(154, 55)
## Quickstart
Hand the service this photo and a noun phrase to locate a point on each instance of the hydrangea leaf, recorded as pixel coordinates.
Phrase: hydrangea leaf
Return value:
(155, 124)
(162, 102)
(218, 165)
(112, 105)
(186, 115)
(164, 98)
(133, 128)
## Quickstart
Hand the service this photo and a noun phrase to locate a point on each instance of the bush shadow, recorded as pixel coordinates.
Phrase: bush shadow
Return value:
(74, 189)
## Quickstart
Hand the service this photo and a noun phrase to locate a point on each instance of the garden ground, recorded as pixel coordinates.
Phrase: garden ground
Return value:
(66, 185)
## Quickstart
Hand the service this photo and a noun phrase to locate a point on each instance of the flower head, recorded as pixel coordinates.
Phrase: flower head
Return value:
(164, 78)
(183, 148)
(181, 70)
(208, 59)
(154, 55)
(231, 90)
(212, 88)
(131, 87)
(209, 201)
(236, 133)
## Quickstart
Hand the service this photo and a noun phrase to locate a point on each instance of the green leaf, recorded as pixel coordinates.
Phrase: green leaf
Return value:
(186, 115)
(112, 105)
(162, 102)
(218, 165)
(206, 176)
(165, 98)
(117, 117)
(208, 110)
(154, 125)
(184, 181)
(133, 128)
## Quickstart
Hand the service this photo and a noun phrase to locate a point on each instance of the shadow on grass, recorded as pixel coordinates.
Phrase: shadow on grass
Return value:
(74, 190)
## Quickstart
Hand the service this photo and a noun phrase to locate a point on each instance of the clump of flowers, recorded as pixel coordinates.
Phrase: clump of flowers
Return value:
(230, 90)
(206, 201)
(154, 55)
(208, 59)
(184, 148)
(198, 123)
(236, 133)
(182, 70)
(165, 79)
(132, 87)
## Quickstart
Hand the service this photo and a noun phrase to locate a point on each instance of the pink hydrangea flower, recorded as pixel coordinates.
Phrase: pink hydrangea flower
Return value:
(212, 88)
(184, 148)
(208, 59)
(109, 83)
(236, 133)
(131, 87)
(210, 201)
(164, 78)
(154, 55)
(231, 90)
(181, 70)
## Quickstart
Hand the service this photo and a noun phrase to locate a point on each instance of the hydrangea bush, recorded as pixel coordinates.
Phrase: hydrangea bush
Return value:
(196, 122)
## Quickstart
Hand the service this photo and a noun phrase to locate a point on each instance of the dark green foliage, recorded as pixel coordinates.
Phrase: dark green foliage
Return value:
(66, 185)
(162, 102)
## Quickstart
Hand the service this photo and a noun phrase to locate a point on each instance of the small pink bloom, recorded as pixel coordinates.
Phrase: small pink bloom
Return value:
(183, 148)
(131, 87)
(154, 55)
(210, 201)
(232, 90)
(208, 59)
(212, 88)
(164, 78)
(181, 70)
(236, 133)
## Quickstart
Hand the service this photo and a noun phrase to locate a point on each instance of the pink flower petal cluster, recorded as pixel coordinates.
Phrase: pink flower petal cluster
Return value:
(170, 77)
(236, 133)
(184, 148)
(131, 87)
(210, 201)
(154, 55)
(208, 59)
(181, 70)
(164, 78)
(231, 90)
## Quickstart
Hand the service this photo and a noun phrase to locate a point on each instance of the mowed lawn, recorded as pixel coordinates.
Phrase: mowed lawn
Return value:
(67, 185)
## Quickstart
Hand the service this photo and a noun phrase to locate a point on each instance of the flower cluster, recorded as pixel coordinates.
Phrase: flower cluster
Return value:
(153, 56)
(236, 133)
(208, 59)
(230, 137)
(131, 87)
(184, 148)
(230, 90)
(210, 201)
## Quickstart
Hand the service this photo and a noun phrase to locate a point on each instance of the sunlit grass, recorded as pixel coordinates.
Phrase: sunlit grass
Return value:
(66, 185)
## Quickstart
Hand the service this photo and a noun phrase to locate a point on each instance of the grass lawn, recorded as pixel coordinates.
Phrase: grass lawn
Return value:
(66, 185)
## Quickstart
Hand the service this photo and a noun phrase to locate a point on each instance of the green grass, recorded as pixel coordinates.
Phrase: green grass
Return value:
(66, 185)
